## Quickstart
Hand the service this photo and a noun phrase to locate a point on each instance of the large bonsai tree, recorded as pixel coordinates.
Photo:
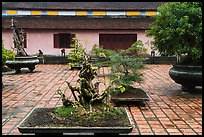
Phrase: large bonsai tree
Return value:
(177, 30)
(18, 37)
(87, 93)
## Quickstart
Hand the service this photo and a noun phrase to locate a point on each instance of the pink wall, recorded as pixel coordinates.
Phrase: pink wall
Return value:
(43, 40)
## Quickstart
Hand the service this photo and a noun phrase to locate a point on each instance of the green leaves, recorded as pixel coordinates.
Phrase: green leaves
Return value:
(76, 55)
(178, 29)
(7, 54)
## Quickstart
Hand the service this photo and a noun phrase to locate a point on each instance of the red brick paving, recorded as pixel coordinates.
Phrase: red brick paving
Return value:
(168, 112)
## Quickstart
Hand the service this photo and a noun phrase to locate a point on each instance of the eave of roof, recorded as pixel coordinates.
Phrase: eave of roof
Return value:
(82, 5)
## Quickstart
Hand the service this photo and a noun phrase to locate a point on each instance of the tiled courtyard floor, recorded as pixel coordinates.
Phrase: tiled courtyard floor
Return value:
(168, 112)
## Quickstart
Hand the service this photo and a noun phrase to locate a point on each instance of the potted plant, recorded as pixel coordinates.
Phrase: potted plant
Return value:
(89, 111)
(177, 30)
(75, 56)
(124, 72)
(22, 59)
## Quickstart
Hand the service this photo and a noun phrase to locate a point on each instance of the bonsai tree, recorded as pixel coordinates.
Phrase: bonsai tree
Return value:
(18, 36)
(22, 59)
(88, 93)
(89, 105)
(76, 54)
(177, 30)
(6, 55)
(125, 66)
(137, 48)
(101, 53)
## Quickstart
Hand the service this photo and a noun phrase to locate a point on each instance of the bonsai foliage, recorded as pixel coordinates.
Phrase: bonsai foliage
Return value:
(76, 54)
(125, 70)
(7, 54)
(177, 29)
(102, 55)
(99, 51)
(137, 47)
(125, 66)
(18, 36)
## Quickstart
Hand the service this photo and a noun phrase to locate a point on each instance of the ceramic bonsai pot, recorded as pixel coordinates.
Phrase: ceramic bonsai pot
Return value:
(23, 62)
(25, 127)
(188, 76)
(132, 95)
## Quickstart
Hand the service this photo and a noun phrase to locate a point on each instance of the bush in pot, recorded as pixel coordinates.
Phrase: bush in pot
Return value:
(125, 66)
(177, 30)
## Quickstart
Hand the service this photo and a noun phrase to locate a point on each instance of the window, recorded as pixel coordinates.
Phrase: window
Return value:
(63, 40)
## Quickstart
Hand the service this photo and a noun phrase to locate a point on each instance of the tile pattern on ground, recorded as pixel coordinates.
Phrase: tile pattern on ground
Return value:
(168, 112)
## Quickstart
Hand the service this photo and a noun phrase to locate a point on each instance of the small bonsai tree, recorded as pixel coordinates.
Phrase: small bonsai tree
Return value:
(101, 53)
(177, 30)
(7, 55)
(76, 54)
(125, 66)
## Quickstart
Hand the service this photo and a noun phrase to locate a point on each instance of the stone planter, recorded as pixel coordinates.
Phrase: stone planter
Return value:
(130, 96)
(59, 130)
(188, 76)
(23, 62)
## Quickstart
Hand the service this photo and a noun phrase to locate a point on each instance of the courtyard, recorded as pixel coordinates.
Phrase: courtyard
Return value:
(168, 112)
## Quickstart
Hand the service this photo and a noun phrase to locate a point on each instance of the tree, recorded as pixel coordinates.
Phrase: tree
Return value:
(177, 29)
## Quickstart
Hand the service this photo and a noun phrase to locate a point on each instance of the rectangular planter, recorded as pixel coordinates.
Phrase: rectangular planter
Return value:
(131, 96)
(60, 130)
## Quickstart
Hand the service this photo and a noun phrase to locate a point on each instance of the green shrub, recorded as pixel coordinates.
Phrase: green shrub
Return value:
(76, 55)
(177, 29)
(7, 54)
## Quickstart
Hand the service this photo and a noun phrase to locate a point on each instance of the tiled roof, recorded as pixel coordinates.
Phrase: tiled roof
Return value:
(82, 5)
(78, 23)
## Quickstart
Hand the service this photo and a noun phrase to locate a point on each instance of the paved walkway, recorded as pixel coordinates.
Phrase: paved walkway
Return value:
(168, 112)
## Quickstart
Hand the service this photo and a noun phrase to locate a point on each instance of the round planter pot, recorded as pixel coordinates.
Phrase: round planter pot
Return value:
(23, 62)
(188, 76)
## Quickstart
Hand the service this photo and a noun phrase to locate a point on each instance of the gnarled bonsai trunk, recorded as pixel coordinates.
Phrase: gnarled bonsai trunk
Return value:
(18, 40)
(88, 93)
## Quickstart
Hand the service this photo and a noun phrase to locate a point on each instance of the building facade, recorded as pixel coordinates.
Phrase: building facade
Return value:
(50, 26)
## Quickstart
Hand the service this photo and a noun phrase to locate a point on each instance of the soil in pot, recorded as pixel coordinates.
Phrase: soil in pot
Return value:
(76, 117)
